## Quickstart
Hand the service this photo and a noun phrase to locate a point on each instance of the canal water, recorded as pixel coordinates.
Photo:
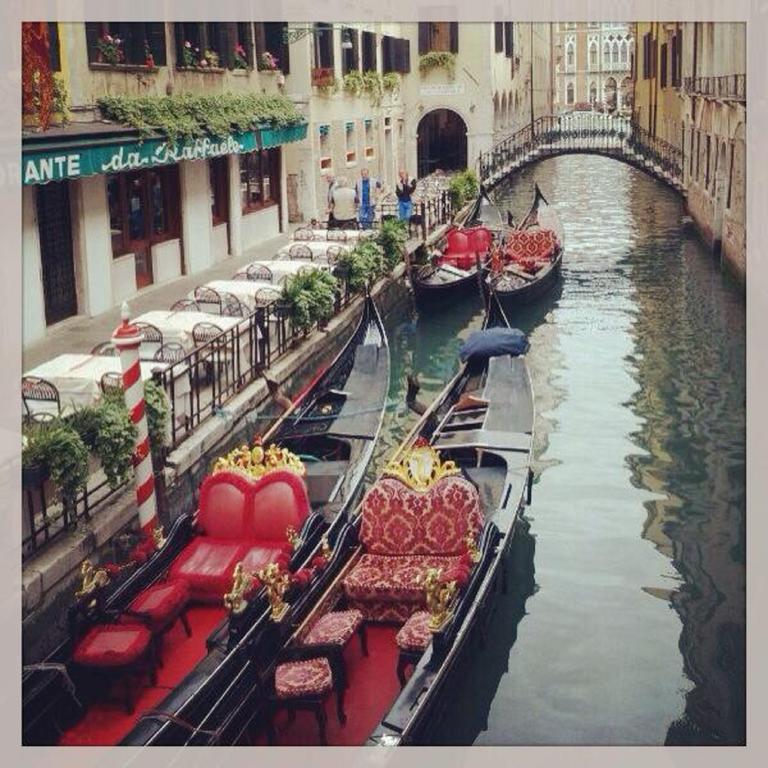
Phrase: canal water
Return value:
(625, 623)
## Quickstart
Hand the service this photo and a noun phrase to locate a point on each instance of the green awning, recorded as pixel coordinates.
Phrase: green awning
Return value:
(73, 156)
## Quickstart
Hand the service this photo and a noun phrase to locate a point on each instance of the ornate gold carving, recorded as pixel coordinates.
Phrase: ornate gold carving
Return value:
(93, 579)
(325, 548)
(420, 468)
(293, 537)
(439, 595)
(234, 600)
(157, 537)
(472, 547)
(276, 583)
(258, 461)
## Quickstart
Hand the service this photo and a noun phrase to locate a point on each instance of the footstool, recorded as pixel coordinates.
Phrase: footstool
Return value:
(412, 639)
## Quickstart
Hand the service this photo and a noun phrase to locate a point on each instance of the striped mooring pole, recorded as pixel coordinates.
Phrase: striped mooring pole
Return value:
(127, 338)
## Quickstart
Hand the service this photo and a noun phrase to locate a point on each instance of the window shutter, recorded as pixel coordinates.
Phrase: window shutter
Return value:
(498, 29)
(356, 48)
(92, 31)
(424, 28)
(285, 58)
(386, 53)
(664, 65)
(156, 39)
(406, 44)
(508, 39)
(454, 34)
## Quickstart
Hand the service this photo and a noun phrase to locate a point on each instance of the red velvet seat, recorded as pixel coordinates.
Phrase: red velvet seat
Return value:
(334, 628)
(239, 519)
(405, 532)
(162, 604)
(414, 635)
(311, 677)
(112, 645)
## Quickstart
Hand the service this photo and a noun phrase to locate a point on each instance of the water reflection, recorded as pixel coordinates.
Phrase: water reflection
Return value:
(638, 364)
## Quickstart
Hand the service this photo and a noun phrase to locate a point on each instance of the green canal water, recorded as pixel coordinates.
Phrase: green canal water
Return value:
(625, 623)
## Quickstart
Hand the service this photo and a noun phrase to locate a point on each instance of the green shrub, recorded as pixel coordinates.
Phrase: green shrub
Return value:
(391, 82)
(363, 264)
(463, 187)
(392, 238)
(438, 60)
(157, 411)
(311, 296)
(353, 82)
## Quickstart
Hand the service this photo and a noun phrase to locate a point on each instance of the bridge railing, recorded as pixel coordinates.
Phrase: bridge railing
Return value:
(590, 132)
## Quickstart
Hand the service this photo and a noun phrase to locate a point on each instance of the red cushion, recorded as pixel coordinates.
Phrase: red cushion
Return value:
(414, 635)
(457, 242)
(334, 628)
(261, 554)
(161, 603)
(531, 244)
(206, 565)
(400, 521)
(480, 239)
(222, 505)
(112, 645)
(392, 578)
(383, 611)
(303, 678)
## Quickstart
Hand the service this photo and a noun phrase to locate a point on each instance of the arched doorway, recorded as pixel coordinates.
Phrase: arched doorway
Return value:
(441, 142)
(610, 94)
(625, 93)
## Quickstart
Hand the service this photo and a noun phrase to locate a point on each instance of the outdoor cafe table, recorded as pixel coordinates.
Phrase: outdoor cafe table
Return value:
(321, 235)
(245, 290)
(319, 248)
(177, 325)
(77, 377)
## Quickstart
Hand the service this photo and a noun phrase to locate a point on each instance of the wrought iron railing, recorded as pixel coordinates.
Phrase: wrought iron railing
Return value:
(582, 132)
(718, 86)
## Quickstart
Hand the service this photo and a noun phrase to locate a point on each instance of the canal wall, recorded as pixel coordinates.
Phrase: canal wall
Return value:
(51, 578)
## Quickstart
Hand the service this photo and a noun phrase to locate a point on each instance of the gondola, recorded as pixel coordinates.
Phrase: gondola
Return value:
(453, 272)
(308, 471)
(528, 264)
(411, 574)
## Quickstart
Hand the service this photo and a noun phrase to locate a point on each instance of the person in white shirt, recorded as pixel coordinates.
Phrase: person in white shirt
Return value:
(343, 205)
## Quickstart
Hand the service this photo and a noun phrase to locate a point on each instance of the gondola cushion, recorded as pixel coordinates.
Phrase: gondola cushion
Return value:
(457, 242)
(112, 645)
(527, 244)
(414, 635)
(295, 679)
(480, 239)
(334, 628)
(263, 553)
(383, 612)
(161, 603)
(393, 579)
(400, 521)
(206, 565)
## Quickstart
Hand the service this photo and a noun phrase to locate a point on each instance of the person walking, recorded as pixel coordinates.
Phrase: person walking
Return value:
(404, 189)
(366, 197)
(342, 207)
(331, 182)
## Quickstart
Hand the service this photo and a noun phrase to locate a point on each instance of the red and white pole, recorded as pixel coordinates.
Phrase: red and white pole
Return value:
(127, 339)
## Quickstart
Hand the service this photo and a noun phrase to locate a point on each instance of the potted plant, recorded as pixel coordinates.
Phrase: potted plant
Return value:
(268, 62)
(392, 237)
(438, 60)
(34, 468)
(239, 57)
(210, 59)
(110, 49)
(189, 55)
(323, 77)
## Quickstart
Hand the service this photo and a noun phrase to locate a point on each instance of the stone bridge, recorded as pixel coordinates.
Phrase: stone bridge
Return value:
(583, 133)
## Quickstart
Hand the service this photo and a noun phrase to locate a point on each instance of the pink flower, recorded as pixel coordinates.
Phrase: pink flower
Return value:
(187, 44)
(203, 63)
(107, 38)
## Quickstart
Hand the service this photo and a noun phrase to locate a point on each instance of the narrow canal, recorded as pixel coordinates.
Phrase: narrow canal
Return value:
(626, 621)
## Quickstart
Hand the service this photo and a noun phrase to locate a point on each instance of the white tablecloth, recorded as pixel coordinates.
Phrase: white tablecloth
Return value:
(245, 290)
(352, 234)
(284, 267)
(177, 325)
(319, 249)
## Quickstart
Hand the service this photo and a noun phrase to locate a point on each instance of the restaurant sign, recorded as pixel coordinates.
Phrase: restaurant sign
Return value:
(71, 163)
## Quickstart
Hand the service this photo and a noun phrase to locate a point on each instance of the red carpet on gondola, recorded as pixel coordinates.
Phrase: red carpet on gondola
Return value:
(373, 688)
(106, 722)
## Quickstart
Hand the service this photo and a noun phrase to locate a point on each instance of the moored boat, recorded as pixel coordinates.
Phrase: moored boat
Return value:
(269, 510)
(411, 574)
(527, 264)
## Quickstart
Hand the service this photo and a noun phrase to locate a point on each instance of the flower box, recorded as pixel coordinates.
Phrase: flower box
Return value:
(211, 70)
(103, 66)
(322, 76)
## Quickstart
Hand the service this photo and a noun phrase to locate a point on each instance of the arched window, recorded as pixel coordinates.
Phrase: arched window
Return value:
(569, 56)
(624, 52)
(593, 55)
(593, 93)
(615, 48)
(606, 54)
(569, 92)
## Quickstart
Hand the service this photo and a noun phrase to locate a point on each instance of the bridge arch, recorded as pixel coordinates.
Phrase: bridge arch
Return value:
(441, 141)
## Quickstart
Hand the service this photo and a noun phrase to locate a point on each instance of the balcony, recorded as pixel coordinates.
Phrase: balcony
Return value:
(718, 86)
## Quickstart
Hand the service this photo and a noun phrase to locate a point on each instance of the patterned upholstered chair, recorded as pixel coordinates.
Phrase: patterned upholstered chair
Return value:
(412, 640)
(409, 526)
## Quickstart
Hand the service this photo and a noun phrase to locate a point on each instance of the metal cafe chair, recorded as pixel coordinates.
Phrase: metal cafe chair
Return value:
(265, 296)
(170, 352)
(303, 233)
(259, 272)
(153, 338)
(231, 306)
(35, 389)
(332, 254)
(185, 305)
(338, 235)
(206, 297)
(300, 251)
(111, 383)
(105, 349)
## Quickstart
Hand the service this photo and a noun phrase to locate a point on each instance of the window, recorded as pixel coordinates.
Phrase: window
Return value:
(53, 46)
(615, 53)
(592, 93)
(219, 182)
(351, 142)
(270, 39)
(593, 55)
(663, 65)
(326, 162)
(624, 47)
(569, 57)
(259, 179)
(213, 42)
(143, 207)
(438, 36)
(569, 92)
(676, 59)
(369, 52)
(244, 41)
(498, 33)
(370, 150)
(509, 39)
(139, 39)
(350, 57)
(395, 55)
(708, 151)
(323, 46)
(606, 55)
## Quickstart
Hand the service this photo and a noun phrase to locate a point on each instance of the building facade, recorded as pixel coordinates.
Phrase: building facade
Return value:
(691, 92)
(108, 212)
(593, 64)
